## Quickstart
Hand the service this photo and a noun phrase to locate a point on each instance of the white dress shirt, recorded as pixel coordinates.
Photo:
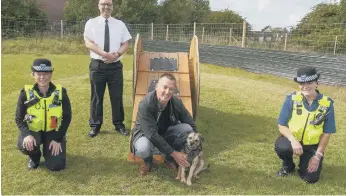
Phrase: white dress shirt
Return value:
(95, 31)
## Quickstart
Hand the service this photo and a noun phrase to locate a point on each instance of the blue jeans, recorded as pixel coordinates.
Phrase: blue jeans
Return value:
(175, 136)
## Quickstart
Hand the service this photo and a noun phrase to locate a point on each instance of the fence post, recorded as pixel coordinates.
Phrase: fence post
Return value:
(244, 34)
(61, 28)
(203, 35)
(336, 40)
(194, 28)
(230, 36)
(167, 34)
(152, 31)
(285, 41)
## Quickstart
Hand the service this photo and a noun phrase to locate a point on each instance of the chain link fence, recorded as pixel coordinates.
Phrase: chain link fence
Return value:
(273, 50)
(324, 38)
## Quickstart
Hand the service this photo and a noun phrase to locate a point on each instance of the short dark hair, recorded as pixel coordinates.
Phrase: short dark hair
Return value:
(168, 76)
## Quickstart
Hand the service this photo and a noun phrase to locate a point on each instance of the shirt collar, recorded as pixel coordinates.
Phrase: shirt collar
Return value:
(51, 88)
(102, 19)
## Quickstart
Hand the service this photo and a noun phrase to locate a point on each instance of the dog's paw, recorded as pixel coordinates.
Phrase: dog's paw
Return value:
(183, 180)
(188, 183)
(177, 178)
(196, 176)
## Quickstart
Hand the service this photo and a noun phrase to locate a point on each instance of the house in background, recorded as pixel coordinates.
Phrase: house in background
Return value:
(53, 9)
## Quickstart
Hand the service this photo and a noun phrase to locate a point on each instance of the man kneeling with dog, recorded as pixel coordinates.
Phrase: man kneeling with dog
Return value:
(162, 126)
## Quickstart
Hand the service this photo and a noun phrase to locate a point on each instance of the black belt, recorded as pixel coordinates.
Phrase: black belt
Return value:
(101, 61)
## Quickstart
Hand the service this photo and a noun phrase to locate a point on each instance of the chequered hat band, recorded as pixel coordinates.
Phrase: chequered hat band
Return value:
(304, 78)
(42, 67)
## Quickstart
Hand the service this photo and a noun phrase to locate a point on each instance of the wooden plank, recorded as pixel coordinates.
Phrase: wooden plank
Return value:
(173, 55)
(183, 62)
(151, 76)
(154, 55)
(164, 54)
(187, 103)
(138, 98)
(184, 83)
(144, 61)
(142, 83)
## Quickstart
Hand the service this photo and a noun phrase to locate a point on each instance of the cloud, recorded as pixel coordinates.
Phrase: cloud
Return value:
(261, 4)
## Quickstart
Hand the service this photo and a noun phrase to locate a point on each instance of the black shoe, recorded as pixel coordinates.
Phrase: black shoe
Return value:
(32, 164)
(122, 131)
(284, 171)
(94, 132)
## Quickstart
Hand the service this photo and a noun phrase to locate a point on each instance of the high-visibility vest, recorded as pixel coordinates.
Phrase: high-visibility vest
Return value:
(300, 123)
(47, 112)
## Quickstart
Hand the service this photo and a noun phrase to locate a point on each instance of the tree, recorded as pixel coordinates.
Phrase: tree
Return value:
(79, 10)
(21, 17)
(319, 28)
(140, 11)
(200, 10)
(225, 16)
(184, 11)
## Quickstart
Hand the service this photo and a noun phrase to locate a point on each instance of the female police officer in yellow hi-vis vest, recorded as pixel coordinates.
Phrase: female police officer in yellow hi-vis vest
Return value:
(306, 122)
(43, 115)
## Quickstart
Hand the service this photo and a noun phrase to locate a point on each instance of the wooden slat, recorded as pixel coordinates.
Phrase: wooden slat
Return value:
(173, 55)
(138, 98)
(154, 55)
(184, 83)
(151, 76)
(164, 54)
(187, 103)
(142, 83)
(183, 62)
(144, 62)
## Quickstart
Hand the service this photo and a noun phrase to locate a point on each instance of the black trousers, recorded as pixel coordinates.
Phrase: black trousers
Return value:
(100, 75)
(53, 163)
(284, 150)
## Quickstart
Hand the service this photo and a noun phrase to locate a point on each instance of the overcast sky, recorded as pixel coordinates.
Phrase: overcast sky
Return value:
(260, 13)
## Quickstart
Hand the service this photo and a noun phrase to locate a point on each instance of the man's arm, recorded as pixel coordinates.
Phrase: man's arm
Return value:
(185, 116)
(20, 114)
(123, 48)
(93, 47)
(149, 128)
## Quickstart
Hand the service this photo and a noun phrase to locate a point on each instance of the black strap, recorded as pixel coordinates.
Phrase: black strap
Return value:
(106, 44)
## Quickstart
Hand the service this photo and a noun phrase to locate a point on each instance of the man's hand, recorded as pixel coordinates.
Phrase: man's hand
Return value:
(29, 142)
(110, 57)
(180, 158)
(297, 147)
(313, 164)
(56, 147)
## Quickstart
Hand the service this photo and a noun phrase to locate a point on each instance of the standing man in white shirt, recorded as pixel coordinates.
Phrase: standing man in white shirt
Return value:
(107, 38)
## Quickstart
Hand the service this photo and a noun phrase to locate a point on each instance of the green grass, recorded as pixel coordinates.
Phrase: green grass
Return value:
(237, 115)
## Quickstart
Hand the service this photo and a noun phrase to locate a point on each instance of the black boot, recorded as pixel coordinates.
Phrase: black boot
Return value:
(285, 171)
(32, 164)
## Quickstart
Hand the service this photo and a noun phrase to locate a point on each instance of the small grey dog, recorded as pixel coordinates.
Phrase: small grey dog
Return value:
(193, 150)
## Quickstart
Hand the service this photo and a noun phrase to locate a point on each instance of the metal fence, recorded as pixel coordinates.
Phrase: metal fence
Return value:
(329, 38)
(275, 51)
(279, 63)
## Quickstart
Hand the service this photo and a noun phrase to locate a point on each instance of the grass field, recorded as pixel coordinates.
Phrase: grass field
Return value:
(237, 115)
